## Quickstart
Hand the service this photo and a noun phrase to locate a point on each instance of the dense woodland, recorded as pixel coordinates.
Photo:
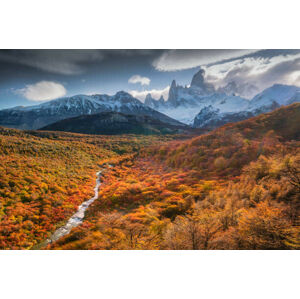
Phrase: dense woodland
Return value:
(237, 187)
(45, 176)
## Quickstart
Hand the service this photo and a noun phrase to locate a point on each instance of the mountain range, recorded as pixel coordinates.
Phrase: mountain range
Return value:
(199, 105)
(268, 100)
(202, 106)
(38, 116)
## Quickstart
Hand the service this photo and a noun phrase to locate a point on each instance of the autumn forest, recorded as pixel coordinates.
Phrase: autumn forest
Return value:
(236, 187)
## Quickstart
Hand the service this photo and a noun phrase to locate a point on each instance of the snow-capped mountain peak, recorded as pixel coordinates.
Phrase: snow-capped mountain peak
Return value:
(266, 101)
(185, 102)
(277, 93)
(199, 104)
(37, 116)
(225, 103)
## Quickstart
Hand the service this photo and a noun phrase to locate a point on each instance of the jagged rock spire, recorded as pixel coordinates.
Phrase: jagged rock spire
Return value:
(148, 100)
(173, 93)
(148, 97)
(173, 85)
(161, 99)
(198, 79)
(199, 82)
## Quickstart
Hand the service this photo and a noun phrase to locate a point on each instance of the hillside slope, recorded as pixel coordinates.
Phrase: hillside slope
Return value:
(114, 123)
(234, 188)
(237, 143)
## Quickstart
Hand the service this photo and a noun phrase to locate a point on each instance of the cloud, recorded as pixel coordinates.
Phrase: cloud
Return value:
(133, 52)
(176, 60)
(155, 93)
(251, 69)
(139, 79)
(262, 70)
(64, 62)
(42, 91)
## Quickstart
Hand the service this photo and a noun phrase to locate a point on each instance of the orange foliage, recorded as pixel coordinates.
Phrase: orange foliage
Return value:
(45, 176)
(234, 188)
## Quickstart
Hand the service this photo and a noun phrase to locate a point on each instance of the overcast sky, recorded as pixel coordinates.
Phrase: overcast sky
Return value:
(28, 77)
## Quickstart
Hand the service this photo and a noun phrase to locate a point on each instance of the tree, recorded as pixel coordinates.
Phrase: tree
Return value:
(265, 227)
(192, 231)
(291, 170)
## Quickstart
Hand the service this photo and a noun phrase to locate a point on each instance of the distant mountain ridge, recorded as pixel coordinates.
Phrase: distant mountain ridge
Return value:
(38, 116)
(202, 106)
(113, 123)
(268, 100)
(184, 103)
(199, 105)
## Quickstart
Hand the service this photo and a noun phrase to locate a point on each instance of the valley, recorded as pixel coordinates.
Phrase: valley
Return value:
(233, 188)
(205, 169)
(45, 176)
(236, 187)
(78, 217)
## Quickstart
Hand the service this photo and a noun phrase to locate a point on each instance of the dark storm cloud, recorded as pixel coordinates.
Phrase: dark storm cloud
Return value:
(32, 75)
(23, 73)
(176, 60)
(64, 62)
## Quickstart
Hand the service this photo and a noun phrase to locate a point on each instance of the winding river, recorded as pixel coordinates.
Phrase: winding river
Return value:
(77, 218)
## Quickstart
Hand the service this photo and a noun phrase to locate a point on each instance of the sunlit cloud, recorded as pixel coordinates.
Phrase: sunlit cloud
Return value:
(42, 91)
(139, 79)
(259, 71)
(155, 93)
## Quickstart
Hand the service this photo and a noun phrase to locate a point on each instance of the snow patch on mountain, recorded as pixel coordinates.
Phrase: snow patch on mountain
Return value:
(200, 101)
(279, 93)
(245, 90)
(266, 101)
(184, 103)
(37, 116)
